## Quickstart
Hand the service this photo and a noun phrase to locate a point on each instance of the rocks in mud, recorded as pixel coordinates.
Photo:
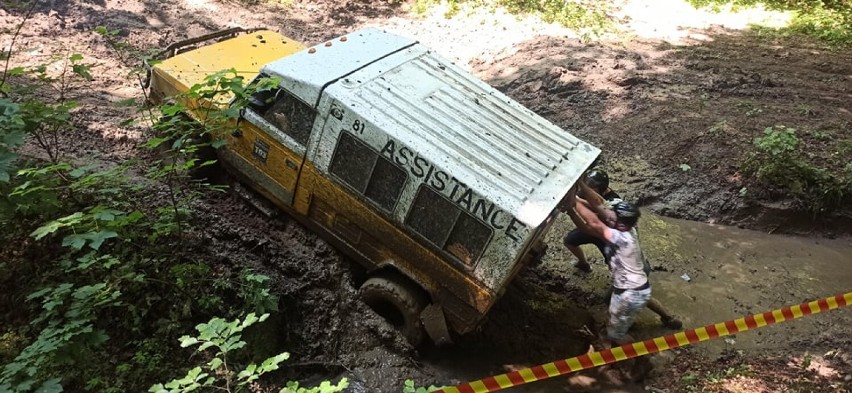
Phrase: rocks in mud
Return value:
(729, 81)
(627, 79)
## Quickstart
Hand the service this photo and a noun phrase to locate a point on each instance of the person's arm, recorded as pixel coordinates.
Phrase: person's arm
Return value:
(597, 203)
(592, 223)
(567, 202)
(567, 206)
(590, 195)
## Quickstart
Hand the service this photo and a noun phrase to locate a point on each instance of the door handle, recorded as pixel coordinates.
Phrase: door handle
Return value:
(290, 164)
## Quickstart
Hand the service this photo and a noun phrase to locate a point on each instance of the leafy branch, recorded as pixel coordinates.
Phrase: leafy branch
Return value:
(224, 338)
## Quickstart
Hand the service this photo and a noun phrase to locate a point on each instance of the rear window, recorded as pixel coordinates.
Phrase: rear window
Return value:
(367, 172)
(447, 226)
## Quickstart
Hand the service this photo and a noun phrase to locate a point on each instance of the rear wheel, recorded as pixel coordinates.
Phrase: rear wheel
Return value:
(397, 301)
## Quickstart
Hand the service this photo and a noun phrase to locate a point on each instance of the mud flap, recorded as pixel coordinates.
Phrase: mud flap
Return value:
(436, 325)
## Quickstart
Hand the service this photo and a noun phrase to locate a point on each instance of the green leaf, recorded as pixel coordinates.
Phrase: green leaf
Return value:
(53, 226)
(39, 293)
(155, 142)
(50, 386)
(14, 138)
(16, 71)
(186, 341)
(684, 167)
(97, 238)
(74, 241)
(75, 57)
(215, 363)
(82, 71)
(25, 385)
(207, 163)
(248, 372)
(106, 214)
(272, 363)
(136, 215)
(79, 172)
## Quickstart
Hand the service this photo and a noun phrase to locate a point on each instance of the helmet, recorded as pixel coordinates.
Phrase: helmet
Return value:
(598, 180)
(626, 213)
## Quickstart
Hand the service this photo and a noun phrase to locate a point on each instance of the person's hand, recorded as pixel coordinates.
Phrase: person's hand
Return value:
(582, 186)
(568, 201)
(572, 196)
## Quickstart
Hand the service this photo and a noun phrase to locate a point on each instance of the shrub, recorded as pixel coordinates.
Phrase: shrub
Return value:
(778, 162)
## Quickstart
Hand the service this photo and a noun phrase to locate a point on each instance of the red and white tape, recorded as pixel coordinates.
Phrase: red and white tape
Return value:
(641, 348)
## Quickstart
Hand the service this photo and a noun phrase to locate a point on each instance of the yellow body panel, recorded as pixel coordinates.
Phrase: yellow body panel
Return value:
(275, 166)
(246, 54)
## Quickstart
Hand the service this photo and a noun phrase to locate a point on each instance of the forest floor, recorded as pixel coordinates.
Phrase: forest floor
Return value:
(674, 113)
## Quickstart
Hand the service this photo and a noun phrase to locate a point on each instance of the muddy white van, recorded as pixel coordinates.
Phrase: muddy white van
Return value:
(441, 186)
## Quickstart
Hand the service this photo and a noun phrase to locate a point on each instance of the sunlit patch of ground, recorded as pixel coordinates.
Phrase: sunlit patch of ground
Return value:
(483, 31)
(676, 20)
(201, 4)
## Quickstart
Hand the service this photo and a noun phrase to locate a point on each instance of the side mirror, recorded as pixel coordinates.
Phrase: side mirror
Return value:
(255, 103)
(237, 132)
(261, 101)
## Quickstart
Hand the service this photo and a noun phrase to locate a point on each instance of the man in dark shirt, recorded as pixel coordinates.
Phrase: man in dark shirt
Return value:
(598, 180)
(598, 183)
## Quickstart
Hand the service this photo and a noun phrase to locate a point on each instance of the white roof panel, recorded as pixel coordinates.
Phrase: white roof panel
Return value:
(307, 72)
(502, 150)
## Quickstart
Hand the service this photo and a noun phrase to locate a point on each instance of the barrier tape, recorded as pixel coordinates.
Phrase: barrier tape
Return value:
(641, 348)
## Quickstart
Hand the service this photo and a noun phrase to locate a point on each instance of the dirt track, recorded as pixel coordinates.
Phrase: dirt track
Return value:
(650, 106)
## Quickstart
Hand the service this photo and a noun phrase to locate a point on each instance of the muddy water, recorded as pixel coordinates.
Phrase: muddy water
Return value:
(703, 273)
(707, 273)
(734, 272)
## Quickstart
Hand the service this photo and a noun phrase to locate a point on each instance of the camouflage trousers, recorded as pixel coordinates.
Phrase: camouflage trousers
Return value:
(623, 307)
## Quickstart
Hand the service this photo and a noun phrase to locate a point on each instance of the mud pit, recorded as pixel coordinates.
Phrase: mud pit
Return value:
(650, 106)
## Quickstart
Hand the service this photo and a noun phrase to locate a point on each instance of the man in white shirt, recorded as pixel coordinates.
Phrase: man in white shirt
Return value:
(631, 288)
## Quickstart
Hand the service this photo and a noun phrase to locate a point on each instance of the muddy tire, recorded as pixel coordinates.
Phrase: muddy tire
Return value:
(398, 302)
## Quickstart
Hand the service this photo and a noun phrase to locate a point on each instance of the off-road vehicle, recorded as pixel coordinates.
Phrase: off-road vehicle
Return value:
(440, 185)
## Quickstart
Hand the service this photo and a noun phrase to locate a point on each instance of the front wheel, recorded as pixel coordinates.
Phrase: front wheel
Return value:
(397, 301)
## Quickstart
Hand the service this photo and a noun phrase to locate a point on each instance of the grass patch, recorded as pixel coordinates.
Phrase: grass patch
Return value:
(829, 21)
(590, 18)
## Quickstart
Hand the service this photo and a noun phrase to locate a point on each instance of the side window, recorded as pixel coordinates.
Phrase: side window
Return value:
(285, 112)
(368, 172)
(447, 226)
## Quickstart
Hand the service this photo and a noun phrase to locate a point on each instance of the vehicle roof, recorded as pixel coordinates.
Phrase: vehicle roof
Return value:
(504, 151)
(306, 73)
(246, 53)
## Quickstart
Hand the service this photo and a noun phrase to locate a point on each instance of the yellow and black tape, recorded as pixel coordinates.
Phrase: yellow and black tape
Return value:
(659, 344)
